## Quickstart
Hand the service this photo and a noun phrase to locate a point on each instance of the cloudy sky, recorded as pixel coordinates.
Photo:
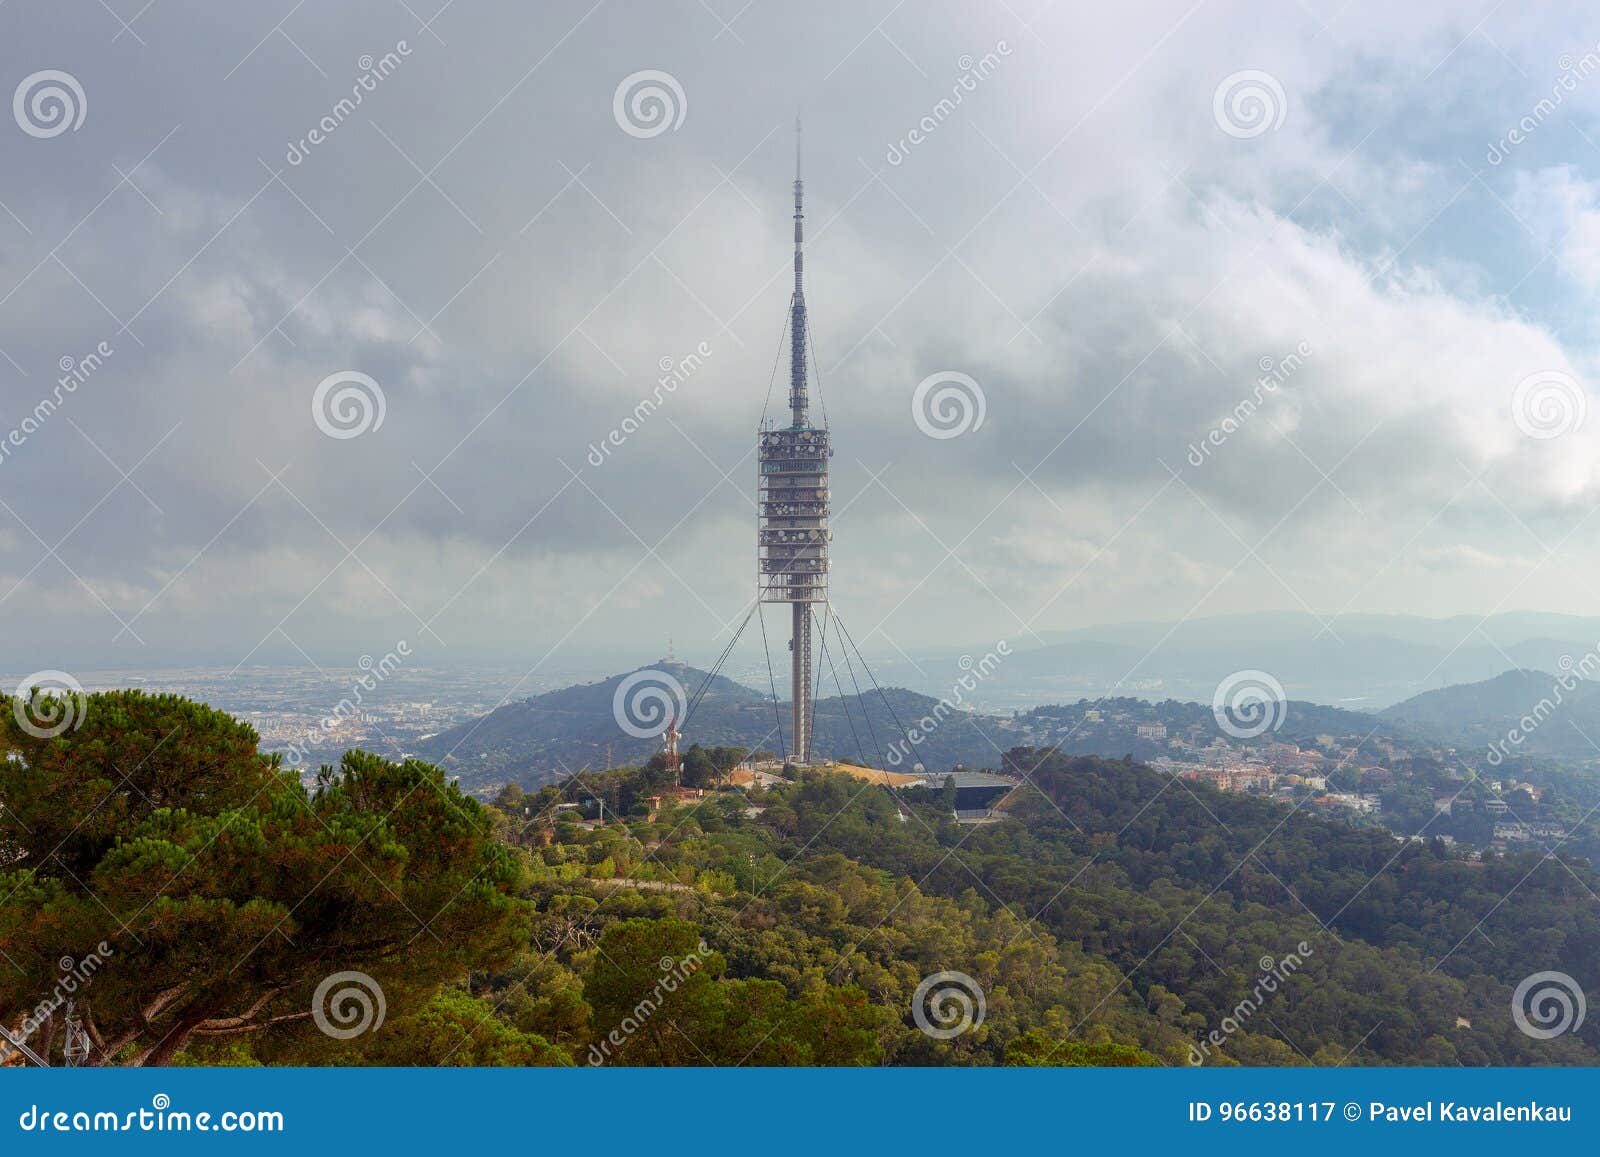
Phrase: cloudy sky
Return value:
(1115, 221)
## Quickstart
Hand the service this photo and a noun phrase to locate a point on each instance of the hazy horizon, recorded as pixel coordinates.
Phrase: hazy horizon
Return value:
(623, 656)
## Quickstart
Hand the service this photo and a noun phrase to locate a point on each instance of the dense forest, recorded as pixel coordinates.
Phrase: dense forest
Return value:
(1113, 917)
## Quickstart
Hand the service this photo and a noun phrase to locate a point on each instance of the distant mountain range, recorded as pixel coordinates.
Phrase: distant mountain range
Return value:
(1362, 662)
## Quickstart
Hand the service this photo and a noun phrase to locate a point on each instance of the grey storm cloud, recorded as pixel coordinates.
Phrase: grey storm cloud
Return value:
(1043, 198)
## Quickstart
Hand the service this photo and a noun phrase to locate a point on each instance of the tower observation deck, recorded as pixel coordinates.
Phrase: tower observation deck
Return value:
(793, 501)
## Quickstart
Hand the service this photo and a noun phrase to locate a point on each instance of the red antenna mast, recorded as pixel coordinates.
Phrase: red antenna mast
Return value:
(670, 747)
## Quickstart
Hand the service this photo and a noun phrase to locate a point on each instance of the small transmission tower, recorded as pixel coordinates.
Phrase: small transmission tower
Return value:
(669, 749)
(76, 1047)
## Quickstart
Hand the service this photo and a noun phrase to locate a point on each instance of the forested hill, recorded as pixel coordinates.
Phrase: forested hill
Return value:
(1116, 906)
(545, 737)
(542, 739)
(1477, 715)
(1188, 893)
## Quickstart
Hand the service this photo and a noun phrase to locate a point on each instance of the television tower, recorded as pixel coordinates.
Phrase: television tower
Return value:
(793, 500)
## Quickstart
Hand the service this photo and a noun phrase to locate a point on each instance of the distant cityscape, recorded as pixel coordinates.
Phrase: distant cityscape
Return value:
(1415, 789)
(320, 713)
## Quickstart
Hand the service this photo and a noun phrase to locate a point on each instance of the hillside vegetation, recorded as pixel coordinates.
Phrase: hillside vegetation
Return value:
(1117, 916)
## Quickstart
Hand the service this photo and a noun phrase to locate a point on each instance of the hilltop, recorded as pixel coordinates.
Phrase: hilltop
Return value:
(543, 738)
(1482, 716)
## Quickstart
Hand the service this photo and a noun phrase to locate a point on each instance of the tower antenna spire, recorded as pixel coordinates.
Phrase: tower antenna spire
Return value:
(797, 304)
(797, 319)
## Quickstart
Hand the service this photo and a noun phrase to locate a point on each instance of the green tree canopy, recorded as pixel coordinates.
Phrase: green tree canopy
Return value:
(223, 893)
(1037, 1049)
(658, 1000)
